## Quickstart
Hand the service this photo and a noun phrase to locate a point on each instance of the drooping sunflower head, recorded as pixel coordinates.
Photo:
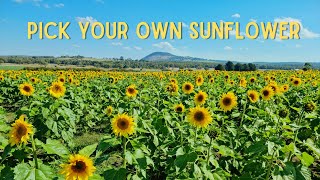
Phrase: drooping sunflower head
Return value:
(187, 87)
(57, 89)
(253, 96)
(267, 93)
(199, 80)
(243, 82)
(131, 91)
(109, 110)
(296, 82)
(123, 125)
(26, 89)
(200, 98)
(179, 108)
(172, 88)
(20, 132)
(228, 101)
(78, 167)
(199, 117)
(310, 106)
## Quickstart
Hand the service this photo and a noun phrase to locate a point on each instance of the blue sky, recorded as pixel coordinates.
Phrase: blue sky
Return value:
(15, 14)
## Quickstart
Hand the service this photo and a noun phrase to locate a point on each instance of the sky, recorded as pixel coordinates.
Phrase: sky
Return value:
(15, 15)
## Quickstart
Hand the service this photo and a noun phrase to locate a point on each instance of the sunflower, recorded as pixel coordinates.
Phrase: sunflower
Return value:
(231, 82)
(296, 81)
(199, 80)
(26, 89)
(109, 110)
(285, 88)
(253, 96)
(123, 125)
(267, 93)
(131, 91)
(200, 98)
(57, 89)
(179, 108)
(252, 79)
(172, 88)
(199, 117)
(79, 167)
(173, 80)
(62, 79)
(187, 88)
(275, 88)
(1, 78)
(20, 132)
(228, 101)
(243, 82)
(211, 80)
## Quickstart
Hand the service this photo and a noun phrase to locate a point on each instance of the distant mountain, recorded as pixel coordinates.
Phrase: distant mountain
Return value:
(165, 56)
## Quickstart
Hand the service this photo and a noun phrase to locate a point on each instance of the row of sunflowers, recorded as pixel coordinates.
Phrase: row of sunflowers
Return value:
(159, 125)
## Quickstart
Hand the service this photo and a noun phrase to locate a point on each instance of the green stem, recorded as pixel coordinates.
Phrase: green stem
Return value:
(270, 165)
(295, 135)
(34, 153)
(209, 148)
(124, 141)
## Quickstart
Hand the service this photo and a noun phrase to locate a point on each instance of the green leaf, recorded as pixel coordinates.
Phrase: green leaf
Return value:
(257, 147)
(24, 171)
(312, 147)
(303, 173)
(307, 159)
(182, 160)
(88, 150)
(115, 174)
(55, 147)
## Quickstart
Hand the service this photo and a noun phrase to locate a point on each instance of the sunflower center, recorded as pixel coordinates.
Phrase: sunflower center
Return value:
(200, 97)
(296, 82)
(27, 88)
(131, 90)
(227, 101)
(252, 96)
(122, 124)
(21, 131)
(79, 167)
(265, 93)
(252, 80)
(199, 116)
(187, 87)
(179, 109)
(57, 88)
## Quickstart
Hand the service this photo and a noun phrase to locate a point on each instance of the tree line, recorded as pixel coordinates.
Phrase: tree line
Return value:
(229, 66)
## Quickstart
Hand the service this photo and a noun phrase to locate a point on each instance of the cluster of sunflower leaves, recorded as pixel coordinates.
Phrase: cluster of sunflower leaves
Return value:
(159, 125)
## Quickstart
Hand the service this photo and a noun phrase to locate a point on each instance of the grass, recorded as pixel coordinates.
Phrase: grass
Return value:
(15, 67)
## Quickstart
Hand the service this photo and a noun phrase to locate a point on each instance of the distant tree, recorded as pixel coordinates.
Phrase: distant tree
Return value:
(245, 67)
(307, 66)
(238, 67)
(219, 67)
(229, 66)
(121, 58)
(252, 67)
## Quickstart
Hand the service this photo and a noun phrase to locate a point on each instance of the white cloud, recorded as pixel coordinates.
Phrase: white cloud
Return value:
(164, 45)
(100, 1)
(127, 48)
(116, 44)
(305, 33)
(137, 48)
(76, 45)
(59, 5)
(237, 15)
(86, 19)
(253, 20)
(227, 48)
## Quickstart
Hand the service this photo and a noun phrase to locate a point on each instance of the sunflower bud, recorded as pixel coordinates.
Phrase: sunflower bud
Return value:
(310, 106)
(283, 113)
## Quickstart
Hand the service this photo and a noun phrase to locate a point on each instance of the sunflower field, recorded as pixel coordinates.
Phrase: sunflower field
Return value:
(80, 125)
